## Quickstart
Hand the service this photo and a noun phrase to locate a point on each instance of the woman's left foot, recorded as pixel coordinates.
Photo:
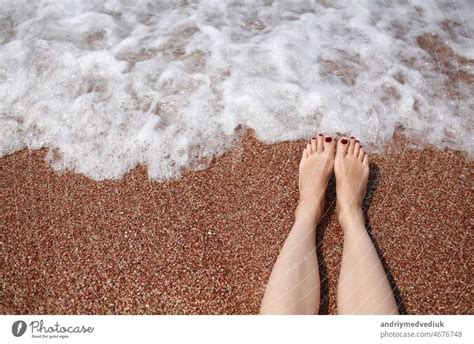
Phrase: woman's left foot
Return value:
(315, 169)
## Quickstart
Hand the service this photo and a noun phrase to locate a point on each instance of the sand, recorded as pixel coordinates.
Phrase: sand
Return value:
(206, 243)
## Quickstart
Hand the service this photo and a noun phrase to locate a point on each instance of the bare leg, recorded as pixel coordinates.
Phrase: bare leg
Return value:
(293, 287)
(363, 286)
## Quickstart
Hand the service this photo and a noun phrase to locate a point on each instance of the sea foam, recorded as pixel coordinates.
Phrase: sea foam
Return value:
(107, 85)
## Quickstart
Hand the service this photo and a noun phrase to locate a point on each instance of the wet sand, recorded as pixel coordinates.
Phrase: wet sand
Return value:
(206, 243)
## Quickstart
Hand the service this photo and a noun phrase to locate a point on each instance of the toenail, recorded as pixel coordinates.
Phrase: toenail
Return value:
(352, 137)
(328, 139)
(357, 141)
(313, 138)
(344, 141)
(320, 134)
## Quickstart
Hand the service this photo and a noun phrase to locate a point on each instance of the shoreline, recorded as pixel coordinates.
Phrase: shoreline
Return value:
(206, 243)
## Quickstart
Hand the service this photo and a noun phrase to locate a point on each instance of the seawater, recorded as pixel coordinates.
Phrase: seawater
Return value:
(107, 85)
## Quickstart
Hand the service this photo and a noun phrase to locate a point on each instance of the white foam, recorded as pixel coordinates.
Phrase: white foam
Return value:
(111, 85)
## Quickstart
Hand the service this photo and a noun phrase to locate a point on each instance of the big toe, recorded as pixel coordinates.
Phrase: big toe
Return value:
(329, 145)
(342, 146)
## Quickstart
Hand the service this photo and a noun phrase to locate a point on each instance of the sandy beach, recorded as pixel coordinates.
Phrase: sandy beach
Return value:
(206, 243)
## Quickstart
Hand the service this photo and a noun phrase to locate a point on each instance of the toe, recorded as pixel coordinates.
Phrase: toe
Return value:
(361, 153)
(342, 146)
(319, 142)
(365, 161)
(356, 148)
(309, 148)
(304, 156)
(327, 143)
(314, 147)
(329, 146)
(350, 149)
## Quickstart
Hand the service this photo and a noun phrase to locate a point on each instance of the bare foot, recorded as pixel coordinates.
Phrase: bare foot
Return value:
(352, 171)
(315, 169)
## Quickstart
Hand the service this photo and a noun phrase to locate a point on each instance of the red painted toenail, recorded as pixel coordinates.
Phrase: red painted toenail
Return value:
(320, 134)
(313, 138)
(344, 141)
(352, 137)
(357, 141)
(328, 139)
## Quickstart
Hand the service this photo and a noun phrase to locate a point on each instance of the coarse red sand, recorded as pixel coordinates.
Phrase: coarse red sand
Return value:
(206, 243)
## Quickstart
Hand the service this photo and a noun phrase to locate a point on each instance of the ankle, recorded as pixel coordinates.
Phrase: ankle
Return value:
(351, 217)
(310, 210)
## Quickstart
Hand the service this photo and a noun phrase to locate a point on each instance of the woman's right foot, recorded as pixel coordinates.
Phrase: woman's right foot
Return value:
(351, 168)
(315, 170)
